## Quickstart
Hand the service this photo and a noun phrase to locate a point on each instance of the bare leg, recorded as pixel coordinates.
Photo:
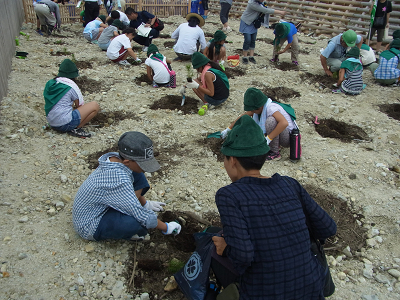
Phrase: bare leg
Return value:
(378, 46)
(222, 54)
(251, 52)
(198, 93)
(88, 111)
(245, 53)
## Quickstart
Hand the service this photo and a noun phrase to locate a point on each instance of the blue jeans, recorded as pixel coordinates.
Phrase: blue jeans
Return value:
(76, 120)
(116, 225)
(212, 101)
(249, 41)
(104, 46)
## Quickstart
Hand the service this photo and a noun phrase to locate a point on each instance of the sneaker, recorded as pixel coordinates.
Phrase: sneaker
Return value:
(79, 132)
(137, 238)
(245, 60)
(273, 156)
(251, 59)
(274, 60)
(155, 85)
(38, 31)
(144, 49)
(124, 62)
(295, 62)
(336, 91)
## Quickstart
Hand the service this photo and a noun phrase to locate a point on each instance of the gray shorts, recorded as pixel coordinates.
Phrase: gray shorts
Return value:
(91, 36)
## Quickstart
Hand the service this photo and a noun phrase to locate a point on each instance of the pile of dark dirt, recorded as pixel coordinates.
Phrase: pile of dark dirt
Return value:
(285, 66)
(169, 44)
(214, 145)
(324, 80)
(340, 130)
(280, 94)
(173, 102)
(81, 64)
(232, 72)
(103, 119)
(349, 233)
(142, 78)
(88, 85)
(155, 257)
(392, 110)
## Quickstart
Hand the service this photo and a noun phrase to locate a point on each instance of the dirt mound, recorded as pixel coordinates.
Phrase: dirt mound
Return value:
(340, 130)
(392, 110)
(105, 119)
(324, 80)
(232, 72)
(280, 94)
(142, 78)
(169, 44)
(88, 85)
(285, 66)
(172, 102)
(81, 64)
(214, 145)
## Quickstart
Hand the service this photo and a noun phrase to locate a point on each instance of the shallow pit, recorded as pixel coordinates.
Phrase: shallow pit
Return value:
(325, 81)
(392, 110)
(214, 144)
(88, 85)
(231, 73)
(285, 66)
(143, 78)
(169, 44)
(81, 64)
(280, 94)
(106, 119)
(173, 102)
(330, 128)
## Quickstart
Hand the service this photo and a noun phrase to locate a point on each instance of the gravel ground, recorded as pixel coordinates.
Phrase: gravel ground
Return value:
(42, 257)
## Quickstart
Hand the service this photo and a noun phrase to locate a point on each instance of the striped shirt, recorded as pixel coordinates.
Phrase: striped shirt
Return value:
(268, 240)
(110, 185)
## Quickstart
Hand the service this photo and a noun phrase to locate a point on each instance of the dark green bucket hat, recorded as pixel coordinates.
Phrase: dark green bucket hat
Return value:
(199, 60)
(254, 99)
(68, 69)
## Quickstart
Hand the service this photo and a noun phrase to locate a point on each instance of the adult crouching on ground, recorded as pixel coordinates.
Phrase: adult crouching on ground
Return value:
(189, 37)
(335, 53)
(64, 105)
(249, 29)
(44, 10)
(212, 85)
(137, 18)
(110, 204)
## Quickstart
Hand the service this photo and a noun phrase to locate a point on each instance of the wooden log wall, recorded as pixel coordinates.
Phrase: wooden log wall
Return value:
(70, 13)
(11, 18)
(322, 16)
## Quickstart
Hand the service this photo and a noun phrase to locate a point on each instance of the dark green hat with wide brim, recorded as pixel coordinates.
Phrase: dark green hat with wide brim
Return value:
(353, 52)
(199, 60)
(68, 69)
(254, 99)
(246, 139)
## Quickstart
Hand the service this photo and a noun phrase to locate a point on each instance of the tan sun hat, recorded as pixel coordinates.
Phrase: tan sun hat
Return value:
(202, 21)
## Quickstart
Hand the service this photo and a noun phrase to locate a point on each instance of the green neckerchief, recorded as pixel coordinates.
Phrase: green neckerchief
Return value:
(277, 39)
(365, 47)
(222, 75)
(157, 55)
(351, 64)
(389, 55)
(217, 47)
(53, 92)
(288, 108)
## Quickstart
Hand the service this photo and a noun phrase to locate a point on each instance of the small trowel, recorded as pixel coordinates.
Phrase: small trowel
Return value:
(182, 90)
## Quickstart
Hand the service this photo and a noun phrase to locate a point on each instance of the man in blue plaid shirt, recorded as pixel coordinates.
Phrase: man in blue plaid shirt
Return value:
(265, 234)
(110, 203)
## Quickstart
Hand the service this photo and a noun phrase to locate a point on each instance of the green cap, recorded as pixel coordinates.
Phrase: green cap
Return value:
(395, 44)
(353, 52)
(199, 60)
(350, 37)
(68, 69)
(103, 18)
(254, 99)
(117, 23)
(151, 49)
(396, 34)
(219, 35)
(246, 139)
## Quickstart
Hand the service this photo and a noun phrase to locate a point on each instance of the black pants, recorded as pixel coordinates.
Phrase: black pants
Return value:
(224, 13)
(146, 41)
(92, 10)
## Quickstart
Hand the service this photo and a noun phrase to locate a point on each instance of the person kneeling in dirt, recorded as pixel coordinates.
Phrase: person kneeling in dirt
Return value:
(214, 88)
(94, 29)
(388, 70)
(265, 232)
(216, 49)
(110, 33)
(276, 120)
(120, 48)
(158, 67)
(110, 203)
(64, 105)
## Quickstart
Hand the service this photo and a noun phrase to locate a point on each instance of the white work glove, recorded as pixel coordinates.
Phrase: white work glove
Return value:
(172, 228)
(268, 140)
(138, 60)
(192, 85)
(224, 133)
(154, 205)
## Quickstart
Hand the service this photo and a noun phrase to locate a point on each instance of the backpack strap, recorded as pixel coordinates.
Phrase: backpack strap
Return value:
(155, 58)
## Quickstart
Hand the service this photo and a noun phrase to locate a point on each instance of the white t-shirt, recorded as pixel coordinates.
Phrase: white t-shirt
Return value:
(161, 75)
(116, 44)
(273, 108)
(123, 17)
(187, 39)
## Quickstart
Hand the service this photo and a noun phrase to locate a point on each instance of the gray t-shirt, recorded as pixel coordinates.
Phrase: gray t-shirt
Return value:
(61, 113)
(107, 34)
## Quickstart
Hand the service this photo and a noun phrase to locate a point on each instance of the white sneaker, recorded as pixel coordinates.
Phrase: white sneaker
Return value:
(124, 62)
(145, 49)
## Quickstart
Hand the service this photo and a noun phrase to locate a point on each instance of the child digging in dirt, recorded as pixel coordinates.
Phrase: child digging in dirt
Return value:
(214, 88)
(286, 32)
(350, 74)
(261, 217)
(110, 33)
(64, 105)
(110, 203)
(120, 48)
(275, 121)
(158, 67)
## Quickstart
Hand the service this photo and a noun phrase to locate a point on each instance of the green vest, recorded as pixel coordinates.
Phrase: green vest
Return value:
(53, 92)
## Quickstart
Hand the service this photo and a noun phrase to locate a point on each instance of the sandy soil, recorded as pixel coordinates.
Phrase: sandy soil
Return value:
(43, 258)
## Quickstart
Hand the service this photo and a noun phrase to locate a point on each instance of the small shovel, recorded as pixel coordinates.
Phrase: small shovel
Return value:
(182, 91)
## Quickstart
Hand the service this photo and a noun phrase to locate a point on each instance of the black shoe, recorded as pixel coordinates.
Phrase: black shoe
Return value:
(251, 59)
(245, 60)
(43, 28)
(79, 132)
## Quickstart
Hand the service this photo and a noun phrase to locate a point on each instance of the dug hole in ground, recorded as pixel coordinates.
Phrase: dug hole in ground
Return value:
(350, 166)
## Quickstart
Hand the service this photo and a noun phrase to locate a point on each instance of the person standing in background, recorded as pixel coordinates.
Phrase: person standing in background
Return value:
(224, 14)
(381, 21)
(92, 10)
